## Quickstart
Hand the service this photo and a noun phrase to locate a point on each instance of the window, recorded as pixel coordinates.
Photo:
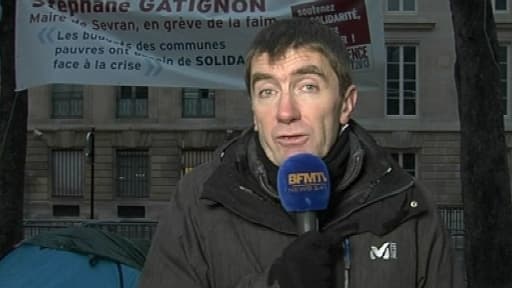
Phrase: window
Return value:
(66, 210)
(132, 102)
(193, 158)
(453, 218)
(500, 5)
(131, 211)
(67, 101)
(407, 161)
(503, 63)
(401, 5)
(401, 83)
(132, 173)
(198, 103)
(67, 173)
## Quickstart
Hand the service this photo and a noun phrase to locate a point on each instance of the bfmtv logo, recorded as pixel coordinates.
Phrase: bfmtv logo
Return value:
(307, 181)
(307, 178)
(387, 251)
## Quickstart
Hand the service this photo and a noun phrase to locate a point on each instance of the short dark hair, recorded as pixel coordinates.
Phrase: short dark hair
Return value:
(295, 33)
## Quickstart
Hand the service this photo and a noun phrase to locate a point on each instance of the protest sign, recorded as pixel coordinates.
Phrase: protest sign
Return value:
(174, 43)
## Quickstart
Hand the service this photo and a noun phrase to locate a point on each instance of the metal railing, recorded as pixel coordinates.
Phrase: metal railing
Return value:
(144, 229)
(131, 229)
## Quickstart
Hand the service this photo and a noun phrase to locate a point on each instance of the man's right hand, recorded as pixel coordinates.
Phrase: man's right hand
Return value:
(307, 262)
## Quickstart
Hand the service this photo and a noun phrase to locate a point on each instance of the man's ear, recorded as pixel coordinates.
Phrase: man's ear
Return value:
(254, 122)
(349, 104)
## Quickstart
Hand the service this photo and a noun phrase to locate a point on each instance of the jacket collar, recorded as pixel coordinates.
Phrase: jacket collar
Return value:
(232, 189)
(383, 191)
(373, 187)
(239, 184)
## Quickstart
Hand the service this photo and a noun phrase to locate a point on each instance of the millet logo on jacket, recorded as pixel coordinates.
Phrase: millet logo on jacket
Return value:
(387, 251)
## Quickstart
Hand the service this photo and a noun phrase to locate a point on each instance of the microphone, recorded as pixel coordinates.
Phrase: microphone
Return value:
(304, 187)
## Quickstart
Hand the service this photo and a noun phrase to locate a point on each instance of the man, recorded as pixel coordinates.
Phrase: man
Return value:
(225, 226)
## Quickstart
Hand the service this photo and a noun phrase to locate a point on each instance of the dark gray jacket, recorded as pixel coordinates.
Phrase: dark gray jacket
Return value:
(221, 229)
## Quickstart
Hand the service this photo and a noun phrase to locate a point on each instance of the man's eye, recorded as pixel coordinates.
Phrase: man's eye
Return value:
(309, 88)
(265, 93)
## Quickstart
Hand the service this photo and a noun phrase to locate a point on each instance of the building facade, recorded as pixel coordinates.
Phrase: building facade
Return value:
(145, 138)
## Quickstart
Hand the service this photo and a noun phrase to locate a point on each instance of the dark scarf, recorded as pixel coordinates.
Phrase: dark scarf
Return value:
(336, 160)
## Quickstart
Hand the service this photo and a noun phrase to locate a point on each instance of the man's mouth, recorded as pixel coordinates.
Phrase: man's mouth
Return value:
(287, 140)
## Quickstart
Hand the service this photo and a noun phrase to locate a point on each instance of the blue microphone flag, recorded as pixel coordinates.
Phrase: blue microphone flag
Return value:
(303, 183)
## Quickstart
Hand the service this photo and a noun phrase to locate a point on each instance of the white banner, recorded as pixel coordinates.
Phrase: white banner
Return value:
(175, 43)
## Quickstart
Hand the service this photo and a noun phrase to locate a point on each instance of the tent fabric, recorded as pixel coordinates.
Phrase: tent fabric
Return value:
(94, 242)
(35, 266)
(73, 257)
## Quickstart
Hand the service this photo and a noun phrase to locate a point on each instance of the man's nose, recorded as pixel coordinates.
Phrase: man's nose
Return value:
(288, 109)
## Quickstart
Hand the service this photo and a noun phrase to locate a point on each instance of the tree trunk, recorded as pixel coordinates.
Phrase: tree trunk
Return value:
(484, 167)
(13, 139)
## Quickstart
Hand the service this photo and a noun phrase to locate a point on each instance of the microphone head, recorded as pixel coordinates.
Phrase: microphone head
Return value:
(303, 183)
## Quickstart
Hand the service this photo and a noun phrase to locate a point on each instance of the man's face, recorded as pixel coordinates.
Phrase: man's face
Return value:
(297, 104)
